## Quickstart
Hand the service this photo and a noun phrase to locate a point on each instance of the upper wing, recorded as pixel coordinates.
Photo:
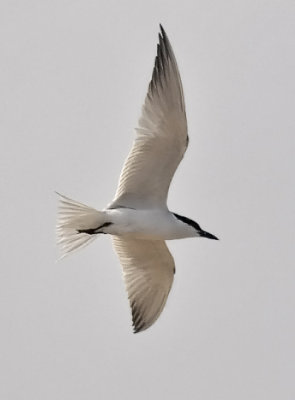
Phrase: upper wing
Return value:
(161, 138)
(148, 270)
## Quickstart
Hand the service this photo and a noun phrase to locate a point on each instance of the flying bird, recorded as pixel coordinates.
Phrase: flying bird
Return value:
(138, 218)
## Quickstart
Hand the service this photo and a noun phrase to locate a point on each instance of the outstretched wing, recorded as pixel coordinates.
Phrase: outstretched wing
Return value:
(161, 138)
(148, 270)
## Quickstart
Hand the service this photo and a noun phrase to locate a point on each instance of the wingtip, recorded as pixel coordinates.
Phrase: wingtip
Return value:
(138, 329)
(162, 30)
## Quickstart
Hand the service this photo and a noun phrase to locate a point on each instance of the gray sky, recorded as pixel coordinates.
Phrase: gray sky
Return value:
(73, 77)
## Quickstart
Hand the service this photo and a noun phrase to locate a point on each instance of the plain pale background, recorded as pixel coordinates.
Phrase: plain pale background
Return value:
(73, 77)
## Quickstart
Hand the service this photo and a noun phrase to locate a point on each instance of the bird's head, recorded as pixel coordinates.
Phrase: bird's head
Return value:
(196, 227)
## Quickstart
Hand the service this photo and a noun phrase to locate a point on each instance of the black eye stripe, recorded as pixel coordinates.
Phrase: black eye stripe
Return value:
(188, 221)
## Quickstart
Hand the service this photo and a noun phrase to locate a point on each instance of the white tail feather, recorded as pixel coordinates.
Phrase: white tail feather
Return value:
(73, 217)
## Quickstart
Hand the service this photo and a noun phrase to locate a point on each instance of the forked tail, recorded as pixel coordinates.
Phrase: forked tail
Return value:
(76, 224)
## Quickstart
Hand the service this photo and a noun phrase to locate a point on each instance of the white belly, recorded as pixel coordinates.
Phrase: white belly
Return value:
(146, 224)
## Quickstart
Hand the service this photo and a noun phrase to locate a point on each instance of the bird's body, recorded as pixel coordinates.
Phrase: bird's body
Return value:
(138, 219)
(152, 224)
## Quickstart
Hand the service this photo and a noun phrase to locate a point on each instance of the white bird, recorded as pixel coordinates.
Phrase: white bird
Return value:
(138, 218)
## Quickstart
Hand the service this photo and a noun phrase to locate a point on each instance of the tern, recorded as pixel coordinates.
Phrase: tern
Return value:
(138, 218)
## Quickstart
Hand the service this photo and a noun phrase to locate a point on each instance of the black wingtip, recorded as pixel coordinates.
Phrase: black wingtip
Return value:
(162, 30)
(138, 328)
